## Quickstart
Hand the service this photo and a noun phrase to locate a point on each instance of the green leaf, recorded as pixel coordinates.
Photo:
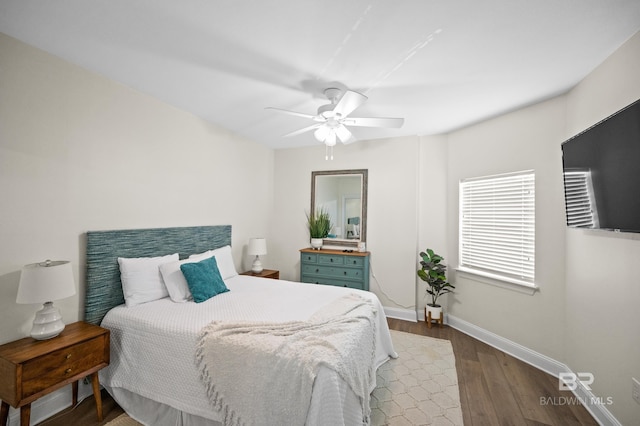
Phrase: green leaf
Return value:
(434, 274)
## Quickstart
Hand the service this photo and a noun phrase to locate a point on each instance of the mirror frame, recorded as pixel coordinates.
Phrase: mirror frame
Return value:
(363, 214)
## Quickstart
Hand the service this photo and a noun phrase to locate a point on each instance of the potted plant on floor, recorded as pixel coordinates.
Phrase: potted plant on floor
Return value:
(433, 272)
(319, 224)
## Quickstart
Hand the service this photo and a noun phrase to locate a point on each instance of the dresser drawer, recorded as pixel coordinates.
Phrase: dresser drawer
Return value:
(47, 370)
(354, 261)
(332, 271)
(324, 259)
(309, 257)
(332, 281)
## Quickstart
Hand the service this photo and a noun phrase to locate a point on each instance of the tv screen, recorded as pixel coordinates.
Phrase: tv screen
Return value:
(601, 169)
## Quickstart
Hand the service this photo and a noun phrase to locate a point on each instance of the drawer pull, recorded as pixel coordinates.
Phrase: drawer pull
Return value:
(67, 371)
(68, 356)
(345, 272)
(317, 270)
(331, 260)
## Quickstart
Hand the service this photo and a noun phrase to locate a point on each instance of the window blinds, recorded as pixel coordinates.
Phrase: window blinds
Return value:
(497, 226)
(581, 209)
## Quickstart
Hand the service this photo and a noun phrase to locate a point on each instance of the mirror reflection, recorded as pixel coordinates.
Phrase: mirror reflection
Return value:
(343, 194)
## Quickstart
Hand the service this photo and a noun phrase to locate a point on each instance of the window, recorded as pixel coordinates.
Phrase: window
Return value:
(497, 227)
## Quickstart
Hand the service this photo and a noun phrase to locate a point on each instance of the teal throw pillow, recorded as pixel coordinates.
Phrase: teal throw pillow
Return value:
(204, 279)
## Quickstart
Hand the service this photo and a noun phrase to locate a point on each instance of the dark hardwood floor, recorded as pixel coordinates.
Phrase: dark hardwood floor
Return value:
(498, 389)
(495, 388)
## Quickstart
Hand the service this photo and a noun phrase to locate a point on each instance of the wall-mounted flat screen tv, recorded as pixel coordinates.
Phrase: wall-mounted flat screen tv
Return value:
(601, 168)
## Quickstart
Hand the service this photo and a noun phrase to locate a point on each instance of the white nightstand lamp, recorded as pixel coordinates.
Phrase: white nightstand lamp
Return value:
(257, 248)
(43, 283)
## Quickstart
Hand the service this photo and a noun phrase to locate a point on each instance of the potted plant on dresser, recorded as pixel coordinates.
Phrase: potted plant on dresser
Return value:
(433, 272)
(319, 224)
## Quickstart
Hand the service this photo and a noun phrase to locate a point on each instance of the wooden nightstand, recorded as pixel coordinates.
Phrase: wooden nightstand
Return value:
(266, 273)
(30, 369)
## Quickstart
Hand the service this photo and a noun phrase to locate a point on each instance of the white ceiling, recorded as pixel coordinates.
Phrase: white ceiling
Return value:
(440, 64)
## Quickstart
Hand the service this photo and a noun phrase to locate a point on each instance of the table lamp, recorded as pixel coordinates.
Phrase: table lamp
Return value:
(257, 248)
(42, 283)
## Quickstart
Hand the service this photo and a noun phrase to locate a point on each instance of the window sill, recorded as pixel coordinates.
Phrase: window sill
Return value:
(498, 281)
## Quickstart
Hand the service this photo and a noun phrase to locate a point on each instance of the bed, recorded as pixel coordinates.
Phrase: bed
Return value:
(162, 372)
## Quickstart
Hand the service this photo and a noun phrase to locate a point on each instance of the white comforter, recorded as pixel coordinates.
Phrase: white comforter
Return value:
(153, 345)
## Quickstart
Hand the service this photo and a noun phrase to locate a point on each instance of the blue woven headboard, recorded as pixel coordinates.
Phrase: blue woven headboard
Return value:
(104, 289)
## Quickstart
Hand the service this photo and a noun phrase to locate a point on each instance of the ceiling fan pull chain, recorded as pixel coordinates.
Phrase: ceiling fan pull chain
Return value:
(328, 152)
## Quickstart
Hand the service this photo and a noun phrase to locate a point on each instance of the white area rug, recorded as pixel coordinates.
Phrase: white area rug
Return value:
(123, 420)
(420, 387)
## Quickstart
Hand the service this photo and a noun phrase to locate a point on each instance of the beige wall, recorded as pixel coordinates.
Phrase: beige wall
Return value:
(79, 152)
(528, 139)
(586, 312)
(603, 278)
(392, 220)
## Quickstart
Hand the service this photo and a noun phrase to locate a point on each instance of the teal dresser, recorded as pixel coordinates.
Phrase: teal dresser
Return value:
(335, 267)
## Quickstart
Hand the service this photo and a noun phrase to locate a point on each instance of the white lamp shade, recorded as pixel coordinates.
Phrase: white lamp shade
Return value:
(257, 247)
(45, 282)
(343, 133)
(321, 133)
(330, 140)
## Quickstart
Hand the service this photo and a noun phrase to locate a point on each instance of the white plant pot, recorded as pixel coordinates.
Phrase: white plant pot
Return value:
(316, 243)
(436, 312)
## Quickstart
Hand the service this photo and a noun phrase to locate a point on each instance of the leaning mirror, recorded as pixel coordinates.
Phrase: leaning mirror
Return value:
(343, 194)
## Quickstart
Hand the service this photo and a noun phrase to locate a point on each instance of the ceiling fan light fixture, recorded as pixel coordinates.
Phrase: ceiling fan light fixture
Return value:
(332, 120)
(343, 133)
(321, 133)
(330, 140)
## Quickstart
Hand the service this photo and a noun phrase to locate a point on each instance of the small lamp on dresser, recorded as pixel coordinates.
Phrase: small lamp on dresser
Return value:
(257, 248)
(42, 283)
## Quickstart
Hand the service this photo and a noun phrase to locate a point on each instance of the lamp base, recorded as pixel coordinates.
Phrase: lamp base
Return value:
(257, 266)
(47, 323)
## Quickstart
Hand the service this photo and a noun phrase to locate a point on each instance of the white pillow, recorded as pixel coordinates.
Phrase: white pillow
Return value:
(175, 281)
(224, 259)
(141, 278)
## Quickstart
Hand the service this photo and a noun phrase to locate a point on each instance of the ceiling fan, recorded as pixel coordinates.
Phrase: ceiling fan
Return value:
(332, 119)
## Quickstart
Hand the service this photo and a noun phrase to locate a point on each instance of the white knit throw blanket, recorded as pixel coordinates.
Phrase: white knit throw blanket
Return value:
(260, 373)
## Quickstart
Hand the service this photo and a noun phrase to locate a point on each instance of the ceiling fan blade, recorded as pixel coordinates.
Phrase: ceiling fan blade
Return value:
(344, 134)
(303, 130)
(286, 111)
(374, 122)
(349, 102)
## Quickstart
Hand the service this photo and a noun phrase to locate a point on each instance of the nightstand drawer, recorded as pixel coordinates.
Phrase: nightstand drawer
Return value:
(47, 370)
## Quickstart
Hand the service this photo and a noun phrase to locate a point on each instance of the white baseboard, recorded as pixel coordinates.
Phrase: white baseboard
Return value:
(596, 406)
(407, 314)
(401, 314)
(51, 404)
